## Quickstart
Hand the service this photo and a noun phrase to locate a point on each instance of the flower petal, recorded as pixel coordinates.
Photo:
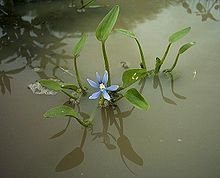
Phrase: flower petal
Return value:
(106, 95)
(95, 95)
(105, 78)
(92, 83)
(98, 77)
(112, 88)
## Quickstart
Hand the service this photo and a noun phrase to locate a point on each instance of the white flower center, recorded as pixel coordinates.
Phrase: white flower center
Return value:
(102, 86)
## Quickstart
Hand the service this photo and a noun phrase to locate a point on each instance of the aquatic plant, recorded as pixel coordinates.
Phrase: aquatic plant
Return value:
(110, 94)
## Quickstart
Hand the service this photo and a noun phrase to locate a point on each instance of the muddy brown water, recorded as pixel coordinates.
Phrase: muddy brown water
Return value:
(179, 136)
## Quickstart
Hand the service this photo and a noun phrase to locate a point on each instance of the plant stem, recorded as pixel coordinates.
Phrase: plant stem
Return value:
(163, 58)
(118, 98)
(75, 98)
(81, 122)
(77, 75)
(142, 54)
(174, 64)
(106, 63)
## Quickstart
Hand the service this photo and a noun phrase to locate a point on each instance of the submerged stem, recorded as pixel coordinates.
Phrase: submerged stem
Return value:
(174, 64)
(143, 64)
(78, 76)
(106, 63)
(66, 93)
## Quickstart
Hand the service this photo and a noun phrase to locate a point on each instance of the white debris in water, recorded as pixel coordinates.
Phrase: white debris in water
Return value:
(194, 74)
(38, 89)
(179, 140)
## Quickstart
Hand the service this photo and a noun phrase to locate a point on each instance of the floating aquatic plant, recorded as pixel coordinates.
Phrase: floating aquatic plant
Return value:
(108, 93)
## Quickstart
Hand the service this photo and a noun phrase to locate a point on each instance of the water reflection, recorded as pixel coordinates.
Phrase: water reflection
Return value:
(113, 116)
(206, 9)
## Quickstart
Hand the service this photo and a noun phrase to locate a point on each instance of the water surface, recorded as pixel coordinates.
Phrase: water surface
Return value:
(177, 137)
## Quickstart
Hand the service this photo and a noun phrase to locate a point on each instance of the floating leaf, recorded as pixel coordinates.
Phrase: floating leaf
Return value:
(69, 86)
(50, 84)
(131, 76)
(60, 111)
(126, 32)
(185, 47)
(136, 99)
(77, 49)
(106, 25)
(178, 35)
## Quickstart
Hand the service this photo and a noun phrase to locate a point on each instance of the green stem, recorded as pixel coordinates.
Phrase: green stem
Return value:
(81, 122)
(163, 58)
(118, 98)
(106, 63)
(77, 75)
(142, 54)
(75, 98)
(174, 64)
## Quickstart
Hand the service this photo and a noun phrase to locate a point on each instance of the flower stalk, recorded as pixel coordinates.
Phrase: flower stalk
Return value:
(107, 68)
(78, 76)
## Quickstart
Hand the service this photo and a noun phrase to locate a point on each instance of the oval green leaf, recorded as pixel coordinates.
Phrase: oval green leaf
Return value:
(78, 47)
(60, 111)
(178, 35)
(136, 99)
(186, 46)
(126, 33)
(131, 76)
(50, 84)
(69, 86)
(106, 25)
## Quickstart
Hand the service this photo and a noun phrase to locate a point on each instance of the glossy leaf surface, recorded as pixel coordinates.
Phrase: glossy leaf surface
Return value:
(186, 47)
(136, 99)
(60, 111)
(131, 76)
(77, 49)
(126, 33)
(178, 35)
(106, 25)
(50, 84)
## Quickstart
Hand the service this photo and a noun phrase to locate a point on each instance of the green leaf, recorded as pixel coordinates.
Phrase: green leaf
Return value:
(185, 47)
(126, 33)
(50, 84)
(178, 35)
(136, 99)
(60, 111)
(77, 49)
(131, 76)
(106, 25)
(69, 86)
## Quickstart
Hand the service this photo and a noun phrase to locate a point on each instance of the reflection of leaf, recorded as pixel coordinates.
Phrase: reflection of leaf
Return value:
(127, 150)
(2, 86)
(200, 7)
(169, 101)
(15, 71)
(58, 134)
(6, 81)
(71, 160)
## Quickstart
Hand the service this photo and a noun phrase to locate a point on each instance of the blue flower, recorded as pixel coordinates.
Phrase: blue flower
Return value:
(102, 86)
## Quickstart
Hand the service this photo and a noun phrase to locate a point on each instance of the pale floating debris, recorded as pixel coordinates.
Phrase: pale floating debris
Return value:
(179, 140)
(38, 89)
(194, 74)
(37, 69)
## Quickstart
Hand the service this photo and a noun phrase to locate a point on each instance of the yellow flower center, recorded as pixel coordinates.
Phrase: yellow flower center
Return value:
(102, 86)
